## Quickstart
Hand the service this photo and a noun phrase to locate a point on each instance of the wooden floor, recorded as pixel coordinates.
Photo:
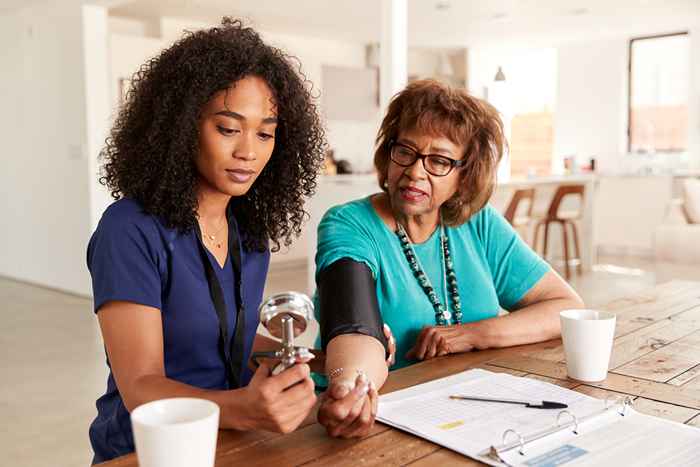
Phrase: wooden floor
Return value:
(52, 366)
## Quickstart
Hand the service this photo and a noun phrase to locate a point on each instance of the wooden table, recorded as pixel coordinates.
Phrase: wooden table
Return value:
(656, 360)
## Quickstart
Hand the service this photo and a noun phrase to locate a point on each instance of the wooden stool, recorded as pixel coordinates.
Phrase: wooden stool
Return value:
(564, 218)
(519, 219)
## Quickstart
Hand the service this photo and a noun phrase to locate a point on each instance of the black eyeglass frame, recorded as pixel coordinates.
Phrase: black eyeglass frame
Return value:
(418, 155)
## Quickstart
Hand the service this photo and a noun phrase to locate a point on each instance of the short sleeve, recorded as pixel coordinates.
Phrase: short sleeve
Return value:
(515, 267)
(343, 234)
(123, 262)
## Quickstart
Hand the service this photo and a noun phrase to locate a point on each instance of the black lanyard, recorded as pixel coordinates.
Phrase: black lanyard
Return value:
(233, 359)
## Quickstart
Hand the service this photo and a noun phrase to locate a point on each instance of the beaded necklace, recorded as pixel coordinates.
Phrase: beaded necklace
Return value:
(442, 315)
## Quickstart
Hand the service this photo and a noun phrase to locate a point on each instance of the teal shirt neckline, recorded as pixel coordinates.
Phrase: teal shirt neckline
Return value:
(494, 267)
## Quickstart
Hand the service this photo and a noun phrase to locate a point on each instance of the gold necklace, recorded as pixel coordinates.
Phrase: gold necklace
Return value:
(212, 236)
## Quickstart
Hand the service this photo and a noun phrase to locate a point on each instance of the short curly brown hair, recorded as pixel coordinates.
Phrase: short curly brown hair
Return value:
(150, 153)
(437, 109)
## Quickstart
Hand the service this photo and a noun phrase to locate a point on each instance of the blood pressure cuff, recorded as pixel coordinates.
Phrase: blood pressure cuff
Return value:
(348, 300)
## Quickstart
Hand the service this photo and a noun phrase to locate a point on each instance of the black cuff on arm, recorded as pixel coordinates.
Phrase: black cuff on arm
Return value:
(348, 300)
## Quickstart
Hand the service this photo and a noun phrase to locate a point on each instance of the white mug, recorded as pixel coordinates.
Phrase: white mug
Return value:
(178, 432)
(588, 339)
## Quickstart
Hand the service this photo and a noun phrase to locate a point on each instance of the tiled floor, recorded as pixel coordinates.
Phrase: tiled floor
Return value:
(52, 361)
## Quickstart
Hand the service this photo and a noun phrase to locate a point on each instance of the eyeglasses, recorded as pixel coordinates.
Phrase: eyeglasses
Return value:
(434, 164)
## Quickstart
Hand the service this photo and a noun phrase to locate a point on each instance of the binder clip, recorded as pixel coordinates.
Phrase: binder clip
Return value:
(285, 315)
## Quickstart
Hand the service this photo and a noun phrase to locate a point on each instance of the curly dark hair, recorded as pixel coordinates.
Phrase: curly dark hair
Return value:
(150, 153)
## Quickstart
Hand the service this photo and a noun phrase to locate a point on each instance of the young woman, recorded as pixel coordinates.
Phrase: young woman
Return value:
(209, 160)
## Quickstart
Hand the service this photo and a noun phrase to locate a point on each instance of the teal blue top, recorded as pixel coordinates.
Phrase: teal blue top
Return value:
(494, 267)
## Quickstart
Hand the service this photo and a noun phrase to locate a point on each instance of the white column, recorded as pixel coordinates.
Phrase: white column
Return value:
(97, 101)
(393, 50)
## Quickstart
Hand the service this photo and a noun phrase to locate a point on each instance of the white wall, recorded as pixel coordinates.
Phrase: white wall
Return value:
(134, 27)
(694, 115)
(45, 197)
(126, 54)
(530, 73)
(590, 117)
(351, 140)
(98, 100)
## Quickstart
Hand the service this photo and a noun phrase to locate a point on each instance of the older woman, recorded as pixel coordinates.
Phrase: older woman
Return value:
(427, 255)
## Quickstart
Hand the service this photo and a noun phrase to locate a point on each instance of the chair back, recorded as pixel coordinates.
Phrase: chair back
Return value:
(520, 195)
(559, 195)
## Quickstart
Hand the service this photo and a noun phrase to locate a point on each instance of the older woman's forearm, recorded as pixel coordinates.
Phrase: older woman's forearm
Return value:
(534, 323)
(357, 352)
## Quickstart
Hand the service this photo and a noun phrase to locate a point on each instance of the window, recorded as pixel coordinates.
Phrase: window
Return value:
(659, 79)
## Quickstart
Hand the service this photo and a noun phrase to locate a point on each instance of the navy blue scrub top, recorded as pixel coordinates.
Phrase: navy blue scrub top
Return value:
(134, 257)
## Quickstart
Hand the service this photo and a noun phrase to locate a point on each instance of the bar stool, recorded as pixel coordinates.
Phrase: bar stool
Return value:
(514, 213)
(564, 218)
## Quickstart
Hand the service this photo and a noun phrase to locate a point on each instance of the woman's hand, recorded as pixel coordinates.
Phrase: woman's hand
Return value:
(275, 403)
(347, 410)
(436, 341)
(349, 406)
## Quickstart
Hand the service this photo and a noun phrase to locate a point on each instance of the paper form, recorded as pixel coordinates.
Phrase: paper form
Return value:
(470, 427)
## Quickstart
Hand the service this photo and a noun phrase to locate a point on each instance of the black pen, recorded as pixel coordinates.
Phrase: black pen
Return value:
(530, 404)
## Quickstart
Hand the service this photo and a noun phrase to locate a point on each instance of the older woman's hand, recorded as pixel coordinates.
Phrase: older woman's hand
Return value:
(436, 341)
(347, 411)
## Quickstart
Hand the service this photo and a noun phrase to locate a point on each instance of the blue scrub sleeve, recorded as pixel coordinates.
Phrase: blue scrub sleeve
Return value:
(123, 264)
